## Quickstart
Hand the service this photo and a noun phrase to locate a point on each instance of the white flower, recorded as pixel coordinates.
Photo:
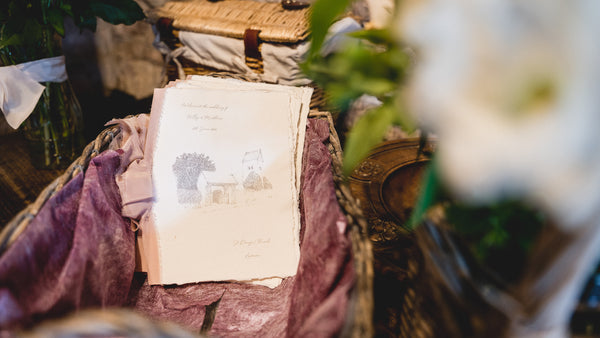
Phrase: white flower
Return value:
(512, 90)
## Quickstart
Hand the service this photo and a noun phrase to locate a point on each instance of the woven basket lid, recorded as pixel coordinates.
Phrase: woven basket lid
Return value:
(231, 18)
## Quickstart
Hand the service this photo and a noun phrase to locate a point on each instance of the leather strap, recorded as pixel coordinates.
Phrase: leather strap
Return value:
(252, 43)
(294, 4)
(252, 50)
(165, 27)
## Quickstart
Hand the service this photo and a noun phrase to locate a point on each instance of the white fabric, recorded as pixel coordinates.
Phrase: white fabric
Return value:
(280, 62)
(20, 89)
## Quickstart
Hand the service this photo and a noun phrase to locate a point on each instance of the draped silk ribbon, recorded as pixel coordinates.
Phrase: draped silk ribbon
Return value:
(20, 87)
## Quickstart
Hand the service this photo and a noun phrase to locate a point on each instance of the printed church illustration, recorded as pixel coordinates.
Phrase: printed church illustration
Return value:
(200, 184)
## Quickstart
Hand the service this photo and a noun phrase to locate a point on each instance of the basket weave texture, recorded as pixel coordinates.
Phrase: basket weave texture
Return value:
(232, 18)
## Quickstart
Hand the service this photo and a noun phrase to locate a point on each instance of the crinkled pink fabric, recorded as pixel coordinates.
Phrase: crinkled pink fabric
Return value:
(77, 252)
(135, 184)
(326, 271)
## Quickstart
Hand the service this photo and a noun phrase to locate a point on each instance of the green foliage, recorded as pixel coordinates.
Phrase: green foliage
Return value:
(500, 235)
(116, 11)
(368, 132)
(322, 15)
(373, 63)
(431, 193)
(56, 20)
(24, 22)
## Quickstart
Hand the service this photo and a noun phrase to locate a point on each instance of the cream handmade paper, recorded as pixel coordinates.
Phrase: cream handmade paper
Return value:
(224, 173)
(299, 104)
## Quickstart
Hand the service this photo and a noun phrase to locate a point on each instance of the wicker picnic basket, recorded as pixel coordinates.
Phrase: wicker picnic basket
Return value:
(255, 24)
(233, 17)
(358, 322)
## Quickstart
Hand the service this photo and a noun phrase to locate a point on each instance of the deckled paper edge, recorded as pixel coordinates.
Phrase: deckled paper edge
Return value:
(151, 257)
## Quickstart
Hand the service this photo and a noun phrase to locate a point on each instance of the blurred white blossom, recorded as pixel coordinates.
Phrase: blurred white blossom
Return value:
(512, 90)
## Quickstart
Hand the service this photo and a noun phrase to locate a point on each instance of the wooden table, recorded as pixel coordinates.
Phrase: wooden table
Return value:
(20, 181)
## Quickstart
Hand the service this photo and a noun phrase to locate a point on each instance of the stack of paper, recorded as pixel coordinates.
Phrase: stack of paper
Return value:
(225, 157)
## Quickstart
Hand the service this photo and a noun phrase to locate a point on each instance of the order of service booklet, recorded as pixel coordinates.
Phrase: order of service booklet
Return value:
(225, 158)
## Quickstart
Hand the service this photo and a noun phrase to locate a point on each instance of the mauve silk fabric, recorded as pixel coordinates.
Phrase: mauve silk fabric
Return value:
(80, 252)
(77, 252)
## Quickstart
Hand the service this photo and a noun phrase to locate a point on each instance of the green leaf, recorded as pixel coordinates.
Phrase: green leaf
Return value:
(374, 86)
(500, 235)
(66, 8)
(85, 20)
(430, 193)
(366, 134)
(117, 12)
(10, 41)
(322, 15)
(403, 118)
(375, 36)
(56, 20)
(341, 96)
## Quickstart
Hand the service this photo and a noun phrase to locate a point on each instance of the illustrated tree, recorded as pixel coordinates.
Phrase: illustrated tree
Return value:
(187, 169)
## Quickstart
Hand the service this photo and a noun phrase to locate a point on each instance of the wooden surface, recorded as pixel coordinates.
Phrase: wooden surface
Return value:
(20, 181)
(387, 184)
(387, 181)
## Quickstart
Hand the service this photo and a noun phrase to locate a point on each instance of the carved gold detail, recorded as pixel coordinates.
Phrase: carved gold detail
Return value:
(367, 169)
